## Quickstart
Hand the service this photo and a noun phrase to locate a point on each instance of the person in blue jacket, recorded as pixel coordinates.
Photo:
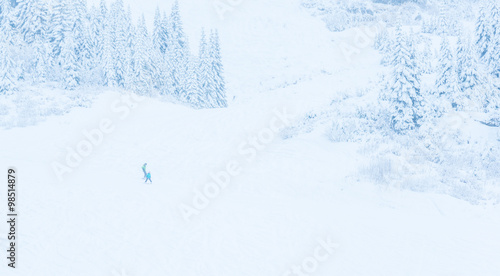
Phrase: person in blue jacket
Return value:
(148, 177)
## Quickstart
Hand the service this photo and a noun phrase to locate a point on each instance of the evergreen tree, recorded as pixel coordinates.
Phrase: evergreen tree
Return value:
(5, 26)
(78, 29)
(103, 8)
(8, 69)
(443, 18)
(426, 58)
(164, 36)
(94, 47)
(217, 71)
(381, 40)
(447, 80)
(31, 18)
(130, 40)
(471, 79)
(405, 98)
(69, 63)
(118, 34)
(60, 25)
(468, 65)
(383, 44)
(101, 42)
(8, 76)
(205, 80)
(162, 57)
(3, 9)
(483, 34)
(108, 51)
(179, 53)
(193, 95)
(157, 29)
(142, 62)
(40, 62)
(492, 55)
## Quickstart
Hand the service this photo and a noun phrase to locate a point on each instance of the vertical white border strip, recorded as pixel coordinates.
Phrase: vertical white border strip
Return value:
(14, 214)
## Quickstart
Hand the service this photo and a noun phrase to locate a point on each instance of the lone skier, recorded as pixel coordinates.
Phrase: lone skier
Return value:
(144, 170)
(148, 177)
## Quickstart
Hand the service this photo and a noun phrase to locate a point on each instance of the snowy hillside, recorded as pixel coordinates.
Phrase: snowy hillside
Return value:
(303, 137)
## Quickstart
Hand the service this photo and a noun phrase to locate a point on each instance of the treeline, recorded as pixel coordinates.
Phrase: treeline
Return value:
(465, 75)
(72, 45)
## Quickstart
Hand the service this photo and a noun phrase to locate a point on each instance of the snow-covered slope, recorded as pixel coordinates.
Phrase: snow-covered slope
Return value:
(288, 198)
(102, 219)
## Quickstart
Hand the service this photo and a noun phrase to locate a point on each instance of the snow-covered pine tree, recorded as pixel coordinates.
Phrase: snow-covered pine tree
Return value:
(97, 32)
(462, 47)
(483, 34)
(381, 40)
(119, 41)
(205, 80)
(194, 95)
(447, 78)
(60, 24)
(157, 28)
(426, 57)
(162, 56)
(217, 70)
(3, 8)
(69, 63)
(143, 70)
(163, 69)
(93, 43)
(383, 43)
(405, 98)
(108, 63)
(79, 32)
(30, 19)
(492, 56)
(388, 49)
(425, 26)
(130, 40)
(470, 77)
(103, 13)
(9, 72)
(30, 22)
(4, 21)
(165, 30)
(447, 20)
(8, 76)
(40, 62)
(179, 53)
(4, 18)
(443, 19)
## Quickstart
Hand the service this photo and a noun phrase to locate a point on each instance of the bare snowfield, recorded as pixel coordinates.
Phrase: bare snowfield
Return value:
(267, 218)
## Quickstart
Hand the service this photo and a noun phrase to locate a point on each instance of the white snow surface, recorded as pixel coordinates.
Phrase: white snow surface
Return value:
(101, 219)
